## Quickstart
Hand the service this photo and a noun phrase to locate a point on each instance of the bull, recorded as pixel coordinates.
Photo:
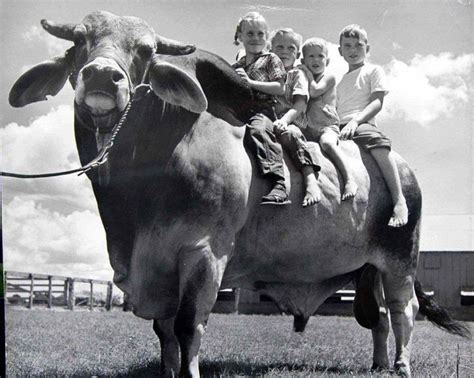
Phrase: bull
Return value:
(179, 194)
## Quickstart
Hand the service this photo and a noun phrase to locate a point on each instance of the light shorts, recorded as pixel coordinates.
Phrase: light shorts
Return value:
(369, 137)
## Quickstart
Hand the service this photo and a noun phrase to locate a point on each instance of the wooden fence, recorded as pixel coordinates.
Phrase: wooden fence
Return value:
(448, 276)
(51, 290)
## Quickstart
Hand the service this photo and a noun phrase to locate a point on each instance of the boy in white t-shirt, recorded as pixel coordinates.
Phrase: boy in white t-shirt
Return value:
(360, 96)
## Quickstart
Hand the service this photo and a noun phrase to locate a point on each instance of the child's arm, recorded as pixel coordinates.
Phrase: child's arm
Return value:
(370, 111)
(275, 88)
(299, 106)
(319, 88)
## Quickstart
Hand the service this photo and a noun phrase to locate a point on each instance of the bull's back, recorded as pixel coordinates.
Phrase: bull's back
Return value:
(291, 243)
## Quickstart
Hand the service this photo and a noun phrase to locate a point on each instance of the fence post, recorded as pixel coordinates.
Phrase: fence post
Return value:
(71, 296)
(50, 289)
(236, 291)
(108, 300)
(91, 296)
(66, 291)
(32, 287)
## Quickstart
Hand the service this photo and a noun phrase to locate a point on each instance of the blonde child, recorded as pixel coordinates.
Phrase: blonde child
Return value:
(290, 109)
(265, 74)
(360, 96)
(323, 122)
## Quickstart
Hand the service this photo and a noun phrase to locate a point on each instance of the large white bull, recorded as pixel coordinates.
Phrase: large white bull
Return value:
(179, 196)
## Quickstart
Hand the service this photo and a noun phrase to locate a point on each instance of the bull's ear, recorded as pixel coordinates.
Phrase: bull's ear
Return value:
(176, 86)
(46, 78)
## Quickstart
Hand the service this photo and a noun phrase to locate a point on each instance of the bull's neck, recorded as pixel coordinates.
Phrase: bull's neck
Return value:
(161, 129)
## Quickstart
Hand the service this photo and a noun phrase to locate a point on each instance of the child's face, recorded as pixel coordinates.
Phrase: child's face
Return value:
(353, 50)
(286, 48)
(253, 36)
(315, 59)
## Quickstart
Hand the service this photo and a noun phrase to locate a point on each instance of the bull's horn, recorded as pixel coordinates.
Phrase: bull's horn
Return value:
(63, 31)
(171, 47)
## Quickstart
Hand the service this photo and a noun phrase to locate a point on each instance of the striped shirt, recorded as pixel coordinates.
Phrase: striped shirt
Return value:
(267, 67)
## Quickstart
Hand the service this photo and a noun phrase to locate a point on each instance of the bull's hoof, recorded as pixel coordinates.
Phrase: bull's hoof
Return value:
(299, 323)
(376, 368)
(402, 369)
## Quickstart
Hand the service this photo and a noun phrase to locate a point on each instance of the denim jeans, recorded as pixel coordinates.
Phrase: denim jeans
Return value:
(262, 141)
(295, 143)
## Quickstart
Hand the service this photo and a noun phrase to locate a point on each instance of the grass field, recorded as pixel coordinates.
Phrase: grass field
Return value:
(82, 343)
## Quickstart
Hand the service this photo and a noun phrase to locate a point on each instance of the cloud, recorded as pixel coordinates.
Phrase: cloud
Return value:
(54, 46)
(51, 225)
(272, 8)
(428, 87)
(396, 46)
(46, 145)
(39, 240)
(423, 90)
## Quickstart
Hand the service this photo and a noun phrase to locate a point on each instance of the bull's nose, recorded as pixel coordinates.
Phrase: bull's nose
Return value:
(94, 72)
(103, 86)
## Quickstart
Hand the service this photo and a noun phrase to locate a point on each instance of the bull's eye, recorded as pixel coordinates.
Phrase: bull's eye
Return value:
(145, 52)
(79, 40)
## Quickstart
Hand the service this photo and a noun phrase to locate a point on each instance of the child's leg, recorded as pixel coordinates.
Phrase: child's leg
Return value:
(312, 192)
(386, 162)
(269, 155)
(305, 160)
(328, 143)
(373, 140)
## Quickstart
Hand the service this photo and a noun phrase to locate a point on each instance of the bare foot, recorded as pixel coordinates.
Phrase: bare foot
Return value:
(400, 215)
(350, 190)
(313, 193)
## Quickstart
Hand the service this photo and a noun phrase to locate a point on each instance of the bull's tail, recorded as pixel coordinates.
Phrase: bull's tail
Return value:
(438, 315)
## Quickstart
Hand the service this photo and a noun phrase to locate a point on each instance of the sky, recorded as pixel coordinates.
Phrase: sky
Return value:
(52, 225)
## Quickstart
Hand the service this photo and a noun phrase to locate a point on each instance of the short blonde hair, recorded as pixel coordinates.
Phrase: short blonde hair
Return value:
(353, 31)
(316, 42)
(251, 16)
(287, 31)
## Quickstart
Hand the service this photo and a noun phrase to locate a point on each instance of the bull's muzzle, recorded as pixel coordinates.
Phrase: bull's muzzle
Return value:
(103, 87)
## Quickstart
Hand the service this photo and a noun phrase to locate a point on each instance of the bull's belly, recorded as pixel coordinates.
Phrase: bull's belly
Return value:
(292, 267)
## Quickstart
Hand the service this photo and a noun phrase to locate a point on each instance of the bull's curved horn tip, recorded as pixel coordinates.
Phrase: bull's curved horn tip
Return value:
(44, 23)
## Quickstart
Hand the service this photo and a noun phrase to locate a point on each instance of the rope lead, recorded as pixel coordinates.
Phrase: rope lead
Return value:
(100, 159)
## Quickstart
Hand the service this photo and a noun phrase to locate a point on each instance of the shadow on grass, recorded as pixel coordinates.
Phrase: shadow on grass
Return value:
(239, 368)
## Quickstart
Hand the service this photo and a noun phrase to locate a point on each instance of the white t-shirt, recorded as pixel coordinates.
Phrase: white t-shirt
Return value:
(355, 88)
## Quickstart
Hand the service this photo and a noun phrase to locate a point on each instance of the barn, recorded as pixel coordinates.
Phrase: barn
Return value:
(447, 275)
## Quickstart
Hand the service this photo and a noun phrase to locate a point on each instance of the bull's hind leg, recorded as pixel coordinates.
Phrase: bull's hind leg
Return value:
(200, 277)
(403, 305)
(381, 331)
(164, 329)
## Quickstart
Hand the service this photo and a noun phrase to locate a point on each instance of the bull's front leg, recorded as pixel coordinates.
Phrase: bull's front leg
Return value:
(200, 270)
(164, 329)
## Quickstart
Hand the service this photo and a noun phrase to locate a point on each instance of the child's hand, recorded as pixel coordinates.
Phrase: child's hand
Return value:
(280, 126)
(243, 75)
(348, 131)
